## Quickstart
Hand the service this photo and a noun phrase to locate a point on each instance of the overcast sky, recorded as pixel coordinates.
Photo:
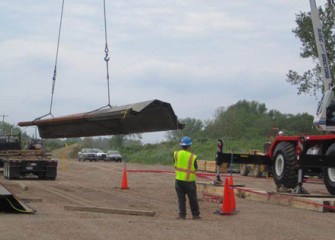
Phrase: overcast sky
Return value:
(197, 55)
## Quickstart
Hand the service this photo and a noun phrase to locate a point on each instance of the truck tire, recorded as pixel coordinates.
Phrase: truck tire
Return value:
(284, 165)
(329, 173)
(244, 170)
(5, 170)
(257, 172)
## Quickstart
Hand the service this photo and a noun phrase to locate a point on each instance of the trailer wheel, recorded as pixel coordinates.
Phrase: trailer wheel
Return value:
(8, 173)
(41, 176)
(329, 173)
(257, 170)
(284, 166)
(244, 170)
(5, 167)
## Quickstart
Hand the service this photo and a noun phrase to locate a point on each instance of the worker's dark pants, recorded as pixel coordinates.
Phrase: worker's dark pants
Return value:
(187, 188)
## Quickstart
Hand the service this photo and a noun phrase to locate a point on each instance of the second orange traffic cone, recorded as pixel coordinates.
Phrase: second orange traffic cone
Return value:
(227, 203)
(124, 184)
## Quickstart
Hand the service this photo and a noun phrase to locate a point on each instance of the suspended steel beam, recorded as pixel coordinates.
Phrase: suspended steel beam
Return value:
(148, 116)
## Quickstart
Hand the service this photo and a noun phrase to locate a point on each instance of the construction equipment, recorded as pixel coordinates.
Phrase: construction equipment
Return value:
(23, 163)
(256, 170)
(292, 157)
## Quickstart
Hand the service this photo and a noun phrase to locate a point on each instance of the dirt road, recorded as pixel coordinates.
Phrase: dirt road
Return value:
(97, 184)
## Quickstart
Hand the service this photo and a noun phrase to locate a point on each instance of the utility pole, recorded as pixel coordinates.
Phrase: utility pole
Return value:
(3, 123)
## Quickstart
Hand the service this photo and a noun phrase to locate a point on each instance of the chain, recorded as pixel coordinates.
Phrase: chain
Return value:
(106, 55)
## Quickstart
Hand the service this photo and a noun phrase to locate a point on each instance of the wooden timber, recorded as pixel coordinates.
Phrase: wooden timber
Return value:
(319, 203)
(111, 210)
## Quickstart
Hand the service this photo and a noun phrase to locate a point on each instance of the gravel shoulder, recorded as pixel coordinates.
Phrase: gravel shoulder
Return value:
(97, 184)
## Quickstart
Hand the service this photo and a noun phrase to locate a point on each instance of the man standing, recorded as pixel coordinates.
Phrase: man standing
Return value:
(185, 164)
(219, 159)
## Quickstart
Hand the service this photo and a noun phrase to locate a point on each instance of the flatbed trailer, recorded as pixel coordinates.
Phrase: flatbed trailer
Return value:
(23, 163)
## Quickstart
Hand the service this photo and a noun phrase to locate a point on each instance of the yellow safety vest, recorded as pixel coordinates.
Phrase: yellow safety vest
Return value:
(184, 165)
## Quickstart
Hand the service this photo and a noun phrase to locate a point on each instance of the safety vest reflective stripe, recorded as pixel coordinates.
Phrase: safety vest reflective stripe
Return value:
(176, 156)
(184, 170)
(188, 170)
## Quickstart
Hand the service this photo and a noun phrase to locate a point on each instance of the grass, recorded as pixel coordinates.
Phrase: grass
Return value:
(162, 153)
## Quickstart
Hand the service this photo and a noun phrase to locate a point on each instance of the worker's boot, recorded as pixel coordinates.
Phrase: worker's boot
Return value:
(218, 179)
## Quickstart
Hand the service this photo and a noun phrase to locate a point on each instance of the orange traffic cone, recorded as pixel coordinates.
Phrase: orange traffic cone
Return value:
(231, 182)
(124, 184)
(227, 205)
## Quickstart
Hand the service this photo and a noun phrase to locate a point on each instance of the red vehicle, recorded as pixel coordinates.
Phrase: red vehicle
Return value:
(292, 157)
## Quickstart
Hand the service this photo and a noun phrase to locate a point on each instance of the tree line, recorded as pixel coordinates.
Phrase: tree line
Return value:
(245, 120)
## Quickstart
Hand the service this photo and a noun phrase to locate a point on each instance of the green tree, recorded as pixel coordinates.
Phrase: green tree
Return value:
(310, 82)
(193, 128)
(241, 120)
(118, 141)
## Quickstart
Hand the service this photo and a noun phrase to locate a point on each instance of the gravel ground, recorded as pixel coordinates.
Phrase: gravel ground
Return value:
(97, 184)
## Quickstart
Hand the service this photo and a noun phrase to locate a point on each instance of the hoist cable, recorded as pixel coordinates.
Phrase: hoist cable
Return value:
(106, 54)
(106, 58)
(56, 60)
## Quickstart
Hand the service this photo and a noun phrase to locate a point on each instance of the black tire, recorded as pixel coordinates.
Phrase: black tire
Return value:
(244, 171)
(8, 172)
(284, 168)
(329, 173)
(41, 176)
(5, 170)
(257, 171)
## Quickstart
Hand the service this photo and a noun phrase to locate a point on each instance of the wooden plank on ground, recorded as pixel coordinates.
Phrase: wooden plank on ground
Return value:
(319, 204)
(209, 189)
(111, 210)
(307, 202)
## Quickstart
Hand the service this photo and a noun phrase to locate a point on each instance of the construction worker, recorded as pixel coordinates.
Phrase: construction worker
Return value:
(185, 164)
(219, 159)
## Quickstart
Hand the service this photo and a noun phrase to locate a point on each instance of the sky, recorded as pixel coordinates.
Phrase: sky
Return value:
(197, 55)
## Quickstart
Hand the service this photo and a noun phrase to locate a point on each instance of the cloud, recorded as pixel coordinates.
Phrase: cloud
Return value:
(197, 55)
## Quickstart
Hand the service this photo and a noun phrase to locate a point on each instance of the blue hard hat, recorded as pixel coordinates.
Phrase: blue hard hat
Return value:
(186, 141)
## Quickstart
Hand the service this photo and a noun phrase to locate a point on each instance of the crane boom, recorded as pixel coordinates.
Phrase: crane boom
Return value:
(320, 44)
(324, 119)
(332, 5)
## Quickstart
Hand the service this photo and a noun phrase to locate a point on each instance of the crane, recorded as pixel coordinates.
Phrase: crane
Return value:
(324, 119)
(292, 157)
